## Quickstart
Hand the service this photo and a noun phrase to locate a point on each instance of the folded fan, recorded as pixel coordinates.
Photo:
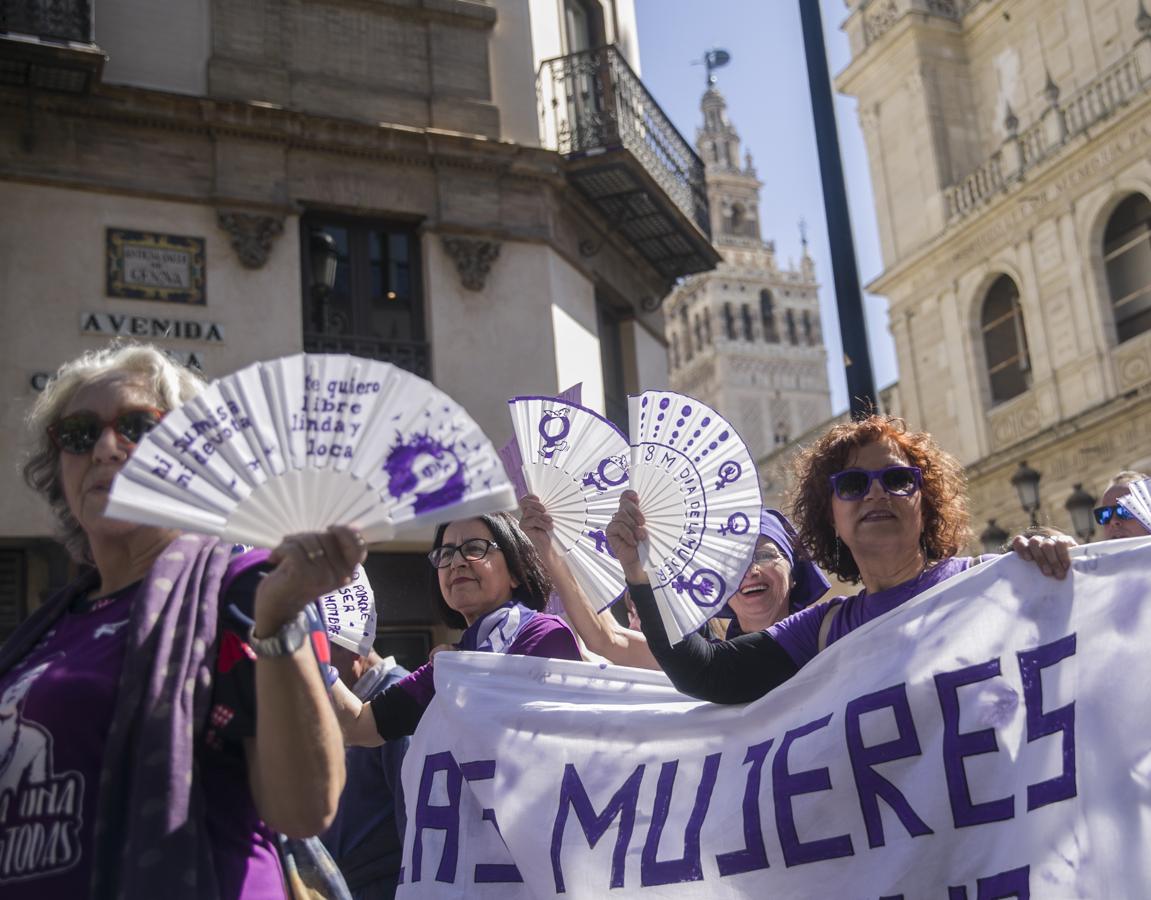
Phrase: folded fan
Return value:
(1138, 501)
(699, 493)
(349, 614)
(575, 461)
(307, 441)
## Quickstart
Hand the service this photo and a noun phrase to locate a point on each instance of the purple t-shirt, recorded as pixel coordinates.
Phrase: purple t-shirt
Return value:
(55, 706)
(541, 635)
(798, 634)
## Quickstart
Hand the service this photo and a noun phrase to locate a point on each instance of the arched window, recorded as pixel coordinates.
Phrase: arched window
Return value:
(728, 322)
(675, 351)
(738, 217)
(1004, 341)
(685, 328)
(1127, 258)
(748, 334)
(707, 326)
(698, 334)
(792, 338)
(767, 313)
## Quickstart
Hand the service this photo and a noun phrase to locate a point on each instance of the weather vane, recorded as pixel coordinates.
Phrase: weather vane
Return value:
(713, 59)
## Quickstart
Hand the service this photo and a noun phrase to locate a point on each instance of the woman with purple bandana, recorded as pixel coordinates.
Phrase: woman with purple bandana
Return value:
(491, 584)
(172, 693)
(874, 503)
(778, 582)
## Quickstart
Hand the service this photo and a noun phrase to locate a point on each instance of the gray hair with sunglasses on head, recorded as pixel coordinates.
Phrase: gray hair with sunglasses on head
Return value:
(168, 383)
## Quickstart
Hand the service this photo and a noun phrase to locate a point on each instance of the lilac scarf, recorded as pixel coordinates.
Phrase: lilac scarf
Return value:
(149, 834)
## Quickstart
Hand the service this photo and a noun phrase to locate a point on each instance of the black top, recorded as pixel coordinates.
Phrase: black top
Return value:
(740, 670)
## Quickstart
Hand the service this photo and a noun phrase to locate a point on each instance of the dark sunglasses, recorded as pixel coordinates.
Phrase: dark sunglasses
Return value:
(1103, 514)
(79, 432)
(854, 484)
(473, 550)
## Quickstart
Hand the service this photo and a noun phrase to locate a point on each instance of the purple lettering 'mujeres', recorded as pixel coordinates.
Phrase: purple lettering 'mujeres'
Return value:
(490, 873)
(1041, 724)
(688, 867)
(753, 856)
(444, 818)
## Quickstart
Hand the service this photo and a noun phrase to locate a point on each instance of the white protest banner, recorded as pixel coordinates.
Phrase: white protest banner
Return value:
(990, 739)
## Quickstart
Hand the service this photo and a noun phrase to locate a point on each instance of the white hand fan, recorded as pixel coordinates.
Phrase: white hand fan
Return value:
(307, 441)
(349, 614)
(699, 493)
(1138, 500)
(576, 462)
(510, 452)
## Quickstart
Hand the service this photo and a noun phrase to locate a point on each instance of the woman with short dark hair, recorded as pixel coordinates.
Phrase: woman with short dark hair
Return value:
(492, 584)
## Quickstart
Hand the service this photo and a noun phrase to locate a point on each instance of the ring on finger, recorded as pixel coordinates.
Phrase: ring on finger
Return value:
(313, 555)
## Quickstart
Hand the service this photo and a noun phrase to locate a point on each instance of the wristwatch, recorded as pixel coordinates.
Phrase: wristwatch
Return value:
(287, 640)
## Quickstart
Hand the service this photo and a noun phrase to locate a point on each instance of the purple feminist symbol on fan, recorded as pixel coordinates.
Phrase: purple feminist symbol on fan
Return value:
(706, 587)
(737, 523)
(425, 467)
(728, 472)
(611, 472)
(553, 428)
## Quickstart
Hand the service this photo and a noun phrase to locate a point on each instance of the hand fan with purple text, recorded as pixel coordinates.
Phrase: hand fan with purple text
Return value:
(307, 441)
(349, 614)
(510, 452)
(699, 493)
(575, 461)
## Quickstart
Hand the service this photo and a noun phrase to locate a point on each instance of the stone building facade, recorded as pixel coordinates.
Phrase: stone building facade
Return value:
(456, 187)
(1008, 142)
(746, 337)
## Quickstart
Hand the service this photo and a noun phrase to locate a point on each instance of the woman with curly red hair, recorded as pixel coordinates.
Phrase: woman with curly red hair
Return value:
(874, 503)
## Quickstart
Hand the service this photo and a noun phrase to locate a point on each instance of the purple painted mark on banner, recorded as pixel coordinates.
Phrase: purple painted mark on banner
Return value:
(423, 466)
(554, 427)
(787, 785)
(513, 462)
(871, 786)
(439, 817)
(688, 867)
(1014, 884)
(622, 805)
(489, 873)
(753, 856)
(958, 745)
(1040, 724)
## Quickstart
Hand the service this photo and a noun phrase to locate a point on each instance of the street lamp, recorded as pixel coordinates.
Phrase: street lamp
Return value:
(325, 259)
(1081, 506)
(1026, 484)
(993, 538)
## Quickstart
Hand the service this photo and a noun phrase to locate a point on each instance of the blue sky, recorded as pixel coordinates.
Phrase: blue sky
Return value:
(767, 97)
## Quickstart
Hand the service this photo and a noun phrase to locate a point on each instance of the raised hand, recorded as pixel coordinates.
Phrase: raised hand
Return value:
(307, 566)
(624, 535)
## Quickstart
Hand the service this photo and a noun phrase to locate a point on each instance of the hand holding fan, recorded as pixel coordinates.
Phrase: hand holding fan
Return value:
(1138, 501)
(699, 493)
(349, 614)
(575, 461)
(307, 441)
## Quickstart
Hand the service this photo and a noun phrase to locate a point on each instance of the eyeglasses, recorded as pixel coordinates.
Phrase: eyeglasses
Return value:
(766, 554)
(1103, 514)
(854, 484)
(472, 550)
(79, 432)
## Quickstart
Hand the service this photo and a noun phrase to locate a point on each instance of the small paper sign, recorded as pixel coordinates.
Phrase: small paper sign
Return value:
(350, 614)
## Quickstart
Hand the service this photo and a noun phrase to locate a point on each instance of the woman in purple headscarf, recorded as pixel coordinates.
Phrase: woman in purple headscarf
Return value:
(779, 581)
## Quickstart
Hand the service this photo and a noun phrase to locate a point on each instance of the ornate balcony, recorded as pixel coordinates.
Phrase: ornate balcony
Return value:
(623, 154)
(414, 356)
(1059, 123)
(47, 45)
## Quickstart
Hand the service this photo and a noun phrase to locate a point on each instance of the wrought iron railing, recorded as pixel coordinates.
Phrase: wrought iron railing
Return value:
(1112, 89)
(54, 20)
(414, 356)
(592, 102)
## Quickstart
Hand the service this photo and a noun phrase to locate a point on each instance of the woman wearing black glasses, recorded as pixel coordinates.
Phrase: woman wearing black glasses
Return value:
(169, 697)
(874, 503)
(492, 584)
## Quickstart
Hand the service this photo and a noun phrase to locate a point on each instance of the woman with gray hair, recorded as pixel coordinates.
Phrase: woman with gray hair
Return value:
(174, 683)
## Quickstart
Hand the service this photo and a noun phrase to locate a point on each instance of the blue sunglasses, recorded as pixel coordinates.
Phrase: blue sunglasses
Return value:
(854, 484)
(1103, 514)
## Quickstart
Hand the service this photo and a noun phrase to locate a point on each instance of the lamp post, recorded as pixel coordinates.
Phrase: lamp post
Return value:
(325, 259)
(993, 538)
(1026, 484)
(1081, 506)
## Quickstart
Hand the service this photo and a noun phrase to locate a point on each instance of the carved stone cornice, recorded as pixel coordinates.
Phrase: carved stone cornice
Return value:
(473, 259)
(251, 235)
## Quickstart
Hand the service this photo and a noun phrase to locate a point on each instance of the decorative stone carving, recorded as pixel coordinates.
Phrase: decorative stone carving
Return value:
(251, 235)
(473, 259)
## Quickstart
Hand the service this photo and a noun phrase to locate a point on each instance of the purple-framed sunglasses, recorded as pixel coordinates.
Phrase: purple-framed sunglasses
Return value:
(899, 481)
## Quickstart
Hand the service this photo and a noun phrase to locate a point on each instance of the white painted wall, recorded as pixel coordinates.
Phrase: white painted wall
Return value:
(578, 358)
(163, 46)
(52, 269)
(513, 72)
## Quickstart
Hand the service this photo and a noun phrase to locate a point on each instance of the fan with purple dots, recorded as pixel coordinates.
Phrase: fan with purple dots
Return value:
(307, 441)
(1138, 501)
(576, 462)
(699, 493)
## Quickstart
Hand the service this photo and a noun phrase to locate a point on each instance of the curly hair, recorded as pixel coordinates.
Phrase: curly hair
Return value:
(523, 563)
(944, 497)
(169, 383)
